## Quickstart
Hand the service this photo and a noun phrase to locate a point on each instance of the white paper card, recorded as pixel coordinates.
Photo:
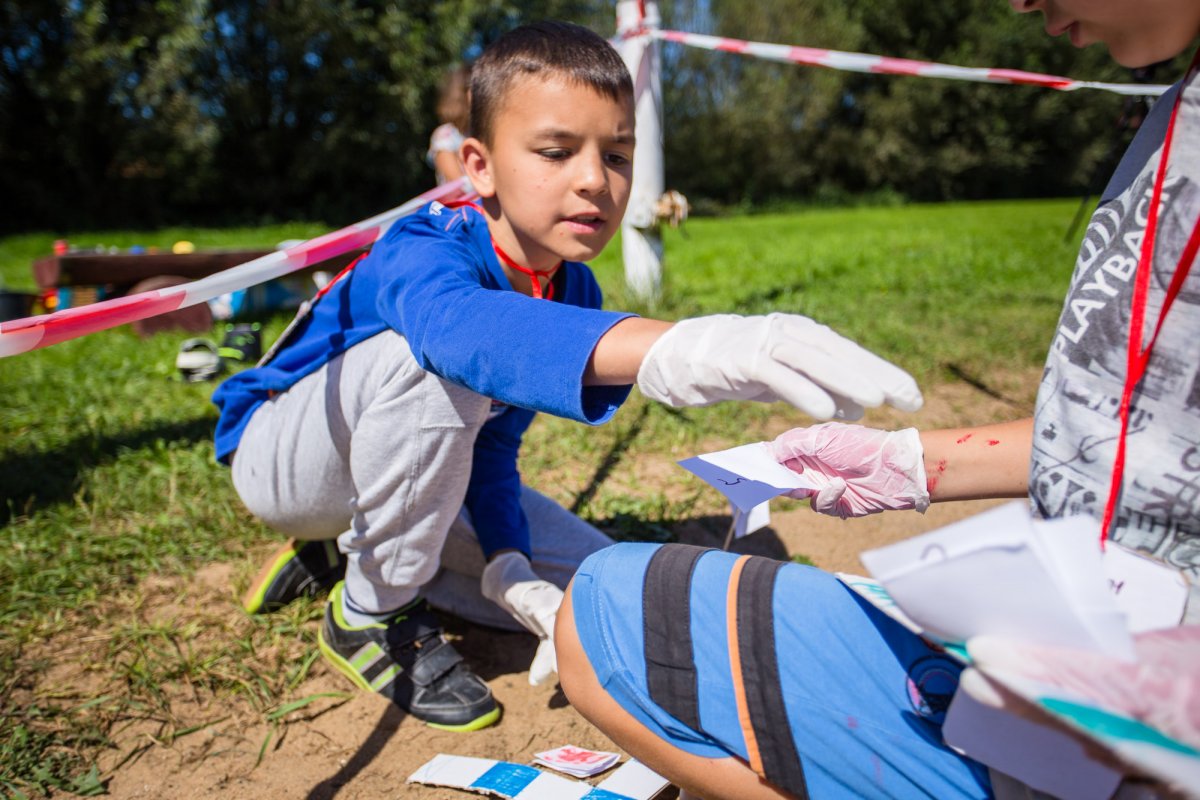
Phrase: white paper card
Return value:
(499, 778)
(1152, 594)
(634, 779)
(457, 771)
(755, 462)
(553, 787)
(1003, 574)
(746, 522)
(748, 475)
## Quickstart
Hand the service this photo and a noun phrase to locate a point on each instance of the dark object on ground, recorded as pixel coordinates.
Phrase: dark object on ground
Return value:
(98, 276)
(126, 269)
(16, 305)
(408, 661)
(242, 343)
(193, 319)
(298, 569)
(198, 361)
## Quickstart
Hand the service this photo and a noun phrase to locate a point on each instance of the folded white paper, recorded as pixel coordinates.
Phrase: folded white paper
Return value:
(632, 781)
(576, 761)
(748, 475)
(746, 522)
(1002, 573)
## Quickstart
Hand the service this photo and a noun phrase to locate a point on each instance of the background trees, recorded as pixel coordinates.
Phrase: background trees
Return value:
(116, 112)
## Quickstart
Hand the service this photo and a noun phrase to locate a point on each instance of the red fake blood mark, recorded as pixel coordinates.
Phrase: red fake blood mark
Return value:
(852, 722)
(993, 442)
(932, 483)
(963, 439)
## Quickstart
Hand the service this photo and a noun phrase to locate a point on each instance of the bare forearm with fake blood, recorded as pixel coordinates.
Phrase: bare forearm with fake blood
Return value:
(980, 462)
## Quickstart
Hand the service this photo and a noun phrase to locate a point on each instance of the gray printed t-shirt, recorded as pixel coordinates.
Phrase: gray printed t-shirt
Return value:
(1076, 419)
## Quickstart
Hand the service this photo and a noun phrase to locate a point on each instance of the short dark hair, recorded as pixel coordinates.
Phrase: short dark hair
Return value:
(543, 48)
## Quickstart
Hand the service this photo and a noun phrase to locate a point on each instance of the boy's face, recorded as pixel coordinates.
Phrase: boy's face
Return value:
(1137, 32)
(556, 178)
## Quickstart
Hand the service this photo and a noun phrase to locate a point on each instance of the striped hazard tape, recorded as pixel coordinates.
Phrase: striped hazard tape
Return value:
(22, 335)
(882, 65)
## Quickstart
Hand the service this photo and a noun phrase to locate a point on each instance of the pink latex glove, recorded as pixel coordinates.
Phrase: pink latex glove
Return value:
(1161, 689)
(858, 470)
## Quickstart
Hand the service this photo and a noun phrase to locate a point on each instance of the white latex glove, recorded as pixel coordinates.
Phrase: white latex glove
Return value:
(859, 470)
(777, 357)
(510, 582)
(1161, 688)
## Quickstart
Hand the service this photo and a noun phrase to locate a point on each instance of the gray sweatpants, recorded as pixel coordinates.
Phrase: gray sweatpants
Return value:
(375, 451)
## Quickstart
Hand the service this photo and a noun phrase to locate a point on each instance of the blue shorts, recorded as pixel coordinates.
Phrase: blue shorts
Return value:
(778, 664)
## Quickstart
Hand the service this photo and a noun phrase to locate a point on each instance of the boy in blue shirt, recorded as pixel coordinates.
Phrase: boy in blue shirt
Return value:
(391, 416)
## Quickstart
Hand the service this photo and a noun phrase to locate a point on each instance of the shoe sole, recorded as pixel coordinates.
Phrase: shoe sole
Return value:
(343, 666)
(255, 598)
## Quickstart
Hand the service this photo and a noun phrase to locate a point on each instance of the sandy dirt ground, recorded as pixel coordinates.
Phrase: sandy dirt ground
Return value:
(362, 748)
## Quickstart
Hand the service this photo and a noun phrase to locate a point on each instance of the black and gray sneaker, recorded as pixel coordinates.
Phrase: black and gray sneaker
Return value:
(242, 342)
(298, 569)
(408, 661)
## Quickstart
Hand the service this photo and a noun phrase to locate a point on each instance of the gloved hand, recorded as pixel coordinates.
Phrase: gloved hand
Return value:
(859, 470)
(509, 581)
(1161, 688)
(776, 357)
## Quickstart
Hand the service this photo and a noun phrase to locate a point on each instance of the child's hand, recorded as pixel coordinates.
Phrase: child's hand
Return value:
(860, 470)
(777, 357)
(510, 582)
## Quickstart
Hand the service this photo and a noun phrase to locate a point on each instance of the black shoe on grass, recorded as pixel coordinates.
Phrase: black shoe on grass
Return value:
(298, 569)
(408, 661)
(242, 343)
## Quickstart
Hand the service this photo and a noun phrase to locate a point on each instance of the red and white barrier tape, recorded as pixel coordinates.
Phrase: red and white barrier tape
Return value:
(861, 62)
(22, 335)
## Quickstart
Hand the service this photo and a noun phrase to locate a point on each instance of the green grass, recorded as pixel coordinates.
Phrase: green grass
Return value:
(929, 285)
(108, 473)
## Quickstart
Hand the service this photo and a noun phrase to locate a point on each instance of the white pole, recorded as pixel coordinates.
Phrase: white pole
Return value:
(641, 238)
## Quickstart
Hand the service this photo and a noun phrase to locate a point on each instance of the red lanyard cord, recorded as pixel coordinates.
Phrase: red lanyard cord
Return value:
(533, 274)
(345, 270)
(1138, 357)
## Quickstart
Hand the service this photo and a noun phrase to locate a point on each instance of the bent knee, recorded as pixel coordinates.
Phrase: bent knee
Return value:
(575, 674)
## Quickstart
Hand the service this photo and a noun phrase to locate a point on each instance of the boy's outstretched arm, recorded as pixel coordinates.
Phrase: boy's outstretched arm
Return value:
(619, 353)
(704, 360)
(864, 471)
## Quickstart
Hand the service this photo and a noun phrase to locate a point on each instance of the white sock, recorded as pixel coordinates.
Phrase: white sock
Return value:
(356, 618)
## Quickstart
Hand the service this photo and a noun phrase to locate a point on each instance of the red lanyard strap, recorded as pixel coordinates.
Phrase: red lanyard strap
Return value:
(1138, 357)
(533, 274)
(345, 271)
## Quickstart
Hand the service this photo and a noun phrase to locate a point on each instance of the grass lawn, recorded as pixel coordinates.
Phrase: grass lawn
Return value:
(107, 473)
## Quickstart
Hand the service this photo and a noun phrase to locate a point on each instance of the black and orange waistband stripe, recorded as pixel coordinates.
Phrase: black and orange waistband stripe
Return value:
(667, 634)
(735, 666)
(754, 665)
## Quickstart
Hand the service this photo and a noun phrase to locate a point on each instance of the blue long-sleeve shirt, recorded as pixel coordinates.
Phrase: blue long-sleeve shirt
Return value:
(435, 279)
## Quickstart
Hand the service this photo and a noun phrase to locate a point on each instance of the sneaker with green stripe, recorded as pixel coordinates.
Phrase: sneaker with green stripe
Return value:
(298, 569)
(409, 661)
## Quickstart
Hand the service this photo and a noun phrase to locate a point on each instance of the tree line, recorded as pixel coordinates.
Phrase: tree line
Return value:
(137, 114)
